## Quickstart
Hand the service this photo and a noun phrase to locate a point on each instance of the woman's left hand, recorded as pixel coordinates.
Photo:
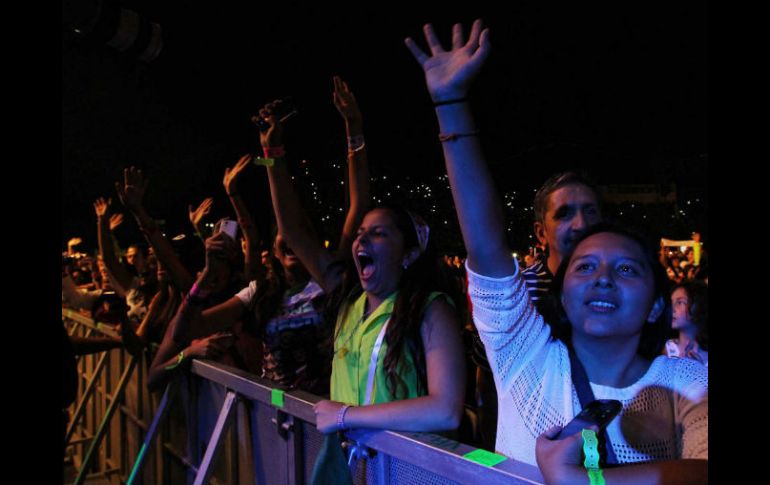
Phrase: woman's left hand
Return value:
(560, 460)
(326, 416)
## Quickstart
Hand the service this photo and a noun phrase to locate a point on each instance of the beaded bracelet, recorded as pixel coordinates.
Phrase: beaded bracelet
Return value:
(341, 416)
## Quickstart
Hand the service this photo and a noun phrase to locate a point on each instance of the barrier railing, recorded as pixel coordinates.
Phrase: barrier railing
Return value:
(217, 424)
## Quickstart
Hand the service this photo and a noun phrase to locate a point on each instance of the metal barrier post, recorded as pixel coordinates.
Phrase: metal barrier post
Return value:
(149, 438)
(96, 441)
(223, 422)
(80, 410)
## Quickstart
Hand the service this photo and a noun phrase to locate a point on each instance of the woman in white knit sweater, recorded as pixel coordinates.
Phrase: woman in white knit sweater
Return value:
(615, 307)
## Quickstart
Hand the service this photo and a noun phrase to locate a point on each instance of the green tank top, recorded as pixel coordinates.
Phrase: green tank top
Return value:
(353, 352)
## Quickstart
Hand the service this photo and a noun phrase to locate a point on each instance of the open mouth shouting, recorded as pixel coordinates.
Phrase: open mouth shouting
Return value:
(365, 265)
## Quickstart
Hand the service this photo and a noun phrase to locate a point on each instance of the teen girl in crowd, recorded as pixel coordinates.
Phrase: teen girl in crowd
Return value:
(612, 295)
(397, 359)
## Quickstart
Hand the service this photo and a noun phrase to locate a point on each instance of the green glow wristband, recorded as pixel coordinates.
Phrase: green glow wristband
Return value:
(179, 359)
(590, 449)
(591, 452)
(267, 162)
(595, 476)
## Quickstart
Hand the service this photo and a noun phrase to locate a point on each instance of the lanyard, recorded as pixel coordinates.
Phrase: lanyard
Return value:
(585, 396)
(373, 363)
(356, 451)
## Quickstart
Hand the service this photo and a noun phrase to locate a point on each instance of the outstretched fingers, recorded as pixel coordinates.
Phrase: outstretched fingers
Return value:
(484, 47)
(433, 42)
(473, 39)
(457, 36)
(418, 54)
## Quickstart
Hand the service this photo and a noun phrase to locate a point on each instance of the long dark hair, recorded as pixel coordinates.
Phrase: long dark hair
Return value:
(425, 275)
(654, 334)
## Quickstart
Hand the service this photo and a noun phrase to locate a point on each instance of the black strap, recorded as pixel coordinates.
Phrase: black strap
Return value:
(585, 396)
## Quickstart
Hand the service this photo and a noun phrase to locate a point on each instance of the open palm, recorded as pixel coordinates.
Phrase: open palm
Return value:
(448, 74)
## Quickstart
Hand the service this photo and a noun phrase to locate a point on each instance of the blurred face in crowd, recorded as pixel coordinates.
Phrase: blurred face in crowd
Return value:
(680, 306)
(571, 210)
(285, 255)
(135, 257)
(162, 274)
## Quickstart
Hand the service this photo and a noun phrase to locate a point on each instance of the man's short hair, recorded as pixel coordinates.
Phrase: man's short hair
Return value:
(558, 181)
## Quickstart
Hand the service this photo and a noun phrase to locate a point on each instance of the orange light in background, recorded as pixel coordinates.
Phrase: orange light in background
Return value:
(326, 244)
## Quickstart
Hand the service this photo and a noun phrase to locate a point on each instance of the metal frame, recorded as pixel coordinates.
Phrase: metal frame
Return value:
(434, 453)
(438, 457)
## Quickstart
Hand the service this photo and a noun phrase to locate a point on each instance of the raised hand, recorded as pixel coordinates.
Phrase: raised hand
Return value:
(220, 249)
(115, 221)
(273, 136)
(131, 192)
(232, 174)
(101, 205)
(197, 215)
(449, 74)
(345, 102)
(72, 243)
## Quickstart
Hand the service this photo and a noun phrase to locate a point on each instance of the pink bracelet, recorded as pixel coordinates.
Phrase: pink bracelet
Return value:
(274, 152)
(197, 292)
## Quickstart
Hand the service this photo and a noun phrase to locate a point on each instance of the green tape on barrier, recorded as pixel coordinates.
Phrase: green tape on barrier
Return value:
(276, 397)
(484, 457)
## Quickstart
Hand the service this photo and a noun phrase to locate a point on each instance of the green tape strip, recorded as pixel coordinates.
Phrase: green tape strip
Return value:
(267, 162)
(595, 476)
(590, 449)
(484, 457)
(276, 397)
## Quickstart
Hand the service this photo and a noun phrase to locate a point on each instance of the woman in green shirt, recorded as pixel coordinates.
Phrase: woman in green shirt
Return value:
(398, 356)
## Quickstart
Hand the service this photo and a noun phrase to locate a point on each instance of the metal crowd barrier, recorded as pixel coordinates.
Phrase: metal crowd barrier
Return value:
(219, 425)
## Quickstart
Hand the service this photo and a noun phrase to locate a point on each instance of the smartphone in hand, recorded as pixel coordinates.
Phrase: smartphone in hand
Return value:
(599, 413)
(227, 226)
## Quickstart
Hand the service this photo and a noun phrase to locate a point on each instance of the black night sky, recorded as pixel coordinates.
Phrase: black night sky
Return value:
(619, 90)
